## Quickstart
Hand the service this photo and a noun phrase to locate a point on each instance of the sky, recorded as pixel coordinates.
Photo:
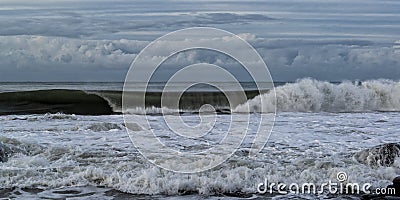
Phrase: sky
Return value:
(96, 40)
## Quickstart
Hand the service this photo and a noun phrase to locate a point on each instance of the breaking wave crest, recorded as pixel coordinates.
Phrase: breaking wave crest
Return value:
(53, 101)
(308, 95)
(305, 95)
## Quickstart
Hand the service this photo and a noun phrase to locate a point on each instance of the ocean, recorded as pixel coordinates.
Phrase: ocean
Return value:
(69, 140)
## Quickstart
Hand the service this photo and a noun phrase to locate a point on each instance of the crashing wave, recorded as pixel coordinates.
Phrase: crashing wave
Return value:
(9, 147)
(380, 156)
(305, 95)
(53, 101)
(308, 95)
(105, 126)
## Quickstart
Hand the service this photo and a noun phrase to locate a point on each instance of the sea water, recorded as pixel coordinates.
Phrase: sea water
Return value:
(88, 156)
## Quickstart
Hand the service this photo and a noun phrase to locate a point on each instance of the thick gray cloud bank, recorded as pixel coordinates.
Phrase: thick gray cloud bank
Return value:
(97, 40)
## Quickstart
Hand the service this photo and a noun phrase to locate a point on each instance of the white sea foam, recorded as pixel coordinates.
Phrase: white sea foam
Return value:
(104, 126)
(153, 110)
(45, 117)
(304, 147)
(308, 95)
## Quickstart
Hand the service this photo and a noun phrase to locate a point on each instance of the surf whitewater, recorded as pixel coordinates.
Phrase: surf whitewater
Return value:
(320, 129)
(305, 95)
(102, 102)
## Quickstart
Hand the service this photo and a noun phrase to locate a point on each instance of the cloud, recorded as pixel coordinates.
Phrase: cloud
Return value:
(39, 51)
(286, 59)
(397, 45)
(95, 23)
(225, 18)
(326, 40)
(330, 60)
(41, 58)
